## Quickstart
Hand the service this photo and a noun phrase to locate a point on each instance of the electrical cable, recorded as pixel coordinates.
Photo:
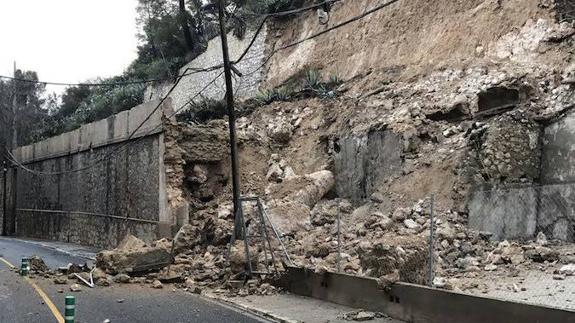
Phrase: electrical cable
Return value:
(110, 84)
(193, 71)
(12, 158)
(337, 26)
(325, 31)
(279, 14)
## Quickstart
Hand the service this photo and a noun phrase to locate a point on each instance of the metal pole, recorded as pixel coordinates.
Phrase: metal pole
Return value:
(431, 242)
(4, 212)
(14, 179)
(14, 133)
(338, 244)
(232, 121)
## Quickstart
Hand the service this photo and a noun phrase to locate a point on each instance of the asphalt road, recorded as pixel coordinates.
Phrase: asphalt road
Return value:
(21, 302)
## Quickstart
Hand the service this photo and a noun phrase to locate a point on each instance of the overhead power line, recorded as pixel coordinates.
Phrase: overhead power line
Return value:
(325, 31)
(268, 58)
(279, 14)
(191, 70)
(110, 154)
(121, 148)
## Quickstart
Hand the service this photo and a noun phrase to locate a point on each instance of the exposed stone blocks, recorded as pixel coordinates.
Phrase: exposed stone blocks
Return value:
(510, 151)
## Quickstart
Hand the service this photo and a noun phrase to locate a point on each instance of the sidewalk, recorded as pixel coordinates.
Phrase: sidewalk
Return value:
(289, 308)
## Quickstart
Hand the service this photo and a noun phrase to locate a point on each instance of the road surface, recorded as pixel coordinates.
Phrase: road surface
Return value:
(24, 300)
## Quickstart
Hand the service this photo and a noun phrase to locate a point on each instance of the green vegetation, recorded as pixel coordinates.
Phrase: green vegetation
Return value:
(204, 110)
(306, 85)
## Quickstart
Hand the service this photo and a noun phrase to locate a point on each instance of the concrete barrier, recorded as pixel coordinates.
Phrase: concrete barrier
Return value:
(414, 303)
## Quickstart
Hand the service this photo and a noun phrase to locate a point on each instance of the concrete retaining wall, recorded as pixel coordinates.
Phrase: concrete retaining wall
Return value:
(122, 180)
(246, 86)
(363, 161)
(559, 151)
(509, 213)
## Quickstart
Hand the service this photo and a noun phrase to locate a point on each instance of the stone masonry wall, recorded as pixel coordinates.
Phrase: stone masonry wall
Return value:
(245, 86)
(125, 192)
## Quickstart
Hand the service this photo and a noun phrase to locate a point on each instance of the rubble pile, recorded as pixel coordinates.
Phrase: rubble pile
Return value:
(446, 131)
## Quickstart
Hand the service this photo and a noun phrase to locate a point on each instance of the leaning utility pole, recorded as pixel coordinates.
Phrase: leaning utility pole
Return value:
(232, 122)
(13, 131)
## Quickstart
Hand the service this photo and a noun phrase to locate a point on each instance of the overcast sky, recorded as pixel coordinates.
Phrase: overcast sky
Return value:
(67, 40)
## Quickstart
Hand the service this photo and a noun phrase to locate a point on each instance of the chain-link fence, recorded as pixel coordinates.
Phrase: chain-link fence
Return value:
(565, 10)
(513, 243)
(370, 241)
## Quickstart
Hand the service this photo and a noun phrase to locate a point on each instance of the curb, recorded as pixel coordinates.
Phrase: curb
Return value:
(253, 310)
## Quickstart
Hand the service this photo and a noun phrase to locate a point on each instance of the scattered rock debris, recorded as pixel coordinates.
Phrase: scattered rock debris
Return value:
(361, 316)
(447, 130)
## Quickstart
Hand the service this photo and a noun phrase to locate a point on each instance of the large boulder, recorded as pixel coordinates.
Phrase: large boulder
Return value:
(317, 186)
(307, 189)
(238, 257)
(292, 200)
(403, 258)
(132, 255)
(187, 237)
(288, 216)
(130, 242)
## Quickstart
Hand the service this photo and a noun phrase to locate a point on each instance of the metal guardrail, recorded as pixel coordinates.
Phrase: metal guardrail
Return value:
(90, 214)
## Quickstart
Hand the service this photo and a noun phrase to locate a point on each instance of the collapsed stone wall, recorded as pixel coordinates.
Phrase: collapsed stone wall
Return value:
(508, 149)
(374, 151)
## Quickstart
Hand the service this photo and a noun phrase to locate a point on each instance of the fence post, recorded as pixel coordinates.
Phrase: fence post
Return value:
(14, 178)
(338, 244)
(431, 242)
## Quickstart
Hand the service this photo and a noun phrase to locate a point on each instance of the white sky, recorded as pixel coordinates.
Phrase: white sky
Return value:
(67, 40)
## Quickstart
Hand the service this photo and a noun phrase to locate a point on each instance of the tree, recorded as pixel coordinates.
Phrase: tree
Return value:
(72, 99)
(171, 33)
(30, 112)
(183, 17)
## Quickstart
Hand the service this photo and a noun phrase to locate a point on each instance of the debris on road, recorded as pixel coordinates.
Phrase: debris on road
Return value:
(360, 316)
(37, 265)
(132, 257)
(157, 284)
(75, 288)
